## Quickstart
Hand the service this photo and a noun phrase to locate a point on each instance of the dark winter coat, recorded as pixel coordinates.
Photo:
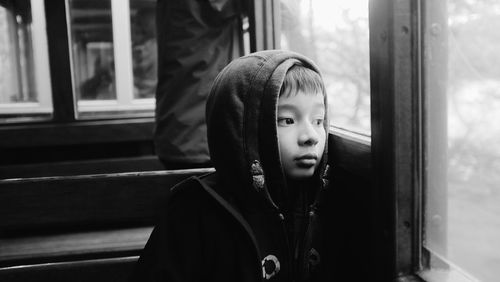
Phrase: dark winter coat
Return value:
(234, 224)
(196, 39)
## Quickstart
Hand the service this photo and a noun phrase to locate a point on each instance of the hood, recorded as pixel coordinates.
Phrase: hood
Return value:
(242, 130)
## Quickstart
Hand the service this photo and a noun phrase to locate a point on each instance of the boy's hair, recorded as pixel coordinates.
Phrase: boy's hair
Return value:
(300, 78)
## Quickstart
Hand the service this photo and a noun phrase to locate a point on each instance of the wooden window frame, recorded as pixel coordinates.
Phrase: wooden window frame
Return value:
(408, 56)
(397, 133)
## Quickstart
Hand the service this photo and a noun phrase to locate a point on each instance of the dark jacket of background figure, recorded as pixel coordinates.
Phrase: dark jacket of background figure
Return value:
(196, 39)
(242, 223)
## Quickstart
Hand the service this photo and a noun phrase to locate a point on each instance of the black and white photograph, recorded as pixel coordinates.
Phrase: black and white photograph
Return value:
(249, 140)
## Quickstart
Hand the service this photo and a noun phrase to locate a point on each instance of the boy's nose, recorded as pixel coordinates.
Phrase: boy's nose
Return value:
(308, 135)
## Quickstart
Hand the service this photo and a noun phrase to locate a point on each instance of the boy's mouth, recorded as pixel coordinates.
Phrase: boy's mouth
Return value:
(306, 161)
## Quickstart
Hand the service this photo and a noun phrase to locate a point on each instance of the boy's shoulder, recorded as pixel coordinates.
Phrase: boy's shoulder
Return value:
(201, 196)
(194, 183)
(192, 186)
(192, 192)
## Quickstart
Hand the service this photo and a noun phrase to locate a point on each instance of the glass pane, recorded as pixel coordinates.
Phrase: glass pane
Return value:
(9, 82)
(92, 49)
(470, 192)
(114, 57)
(144, 48)
(20, 96)
(334, 33)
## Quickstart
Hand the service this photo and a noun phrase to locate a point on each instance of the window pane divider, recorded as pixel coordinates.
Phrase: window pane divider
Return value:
(40, 56)
(122, 51)
(57, 23)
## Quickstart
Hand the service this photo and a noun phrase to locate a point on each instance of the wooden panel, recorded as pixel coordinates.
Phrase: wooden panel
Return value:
(105, 270)
(351, 152)
(147, 163)
(60, 67)
(72, 246)
(382, 81)
(396, 126)
(88, 132)
(86, 200)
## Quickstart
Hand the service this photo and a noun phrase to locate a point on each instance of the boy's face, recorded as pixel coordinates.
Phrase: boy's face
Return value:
(301, 133)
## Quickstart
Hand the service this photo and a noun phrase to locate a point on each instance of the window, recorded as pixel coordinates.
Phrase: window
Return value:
(114, 55)
(113, 60)
(66, 41)
(24, 82)
(434, 135)
(335, 35)
(462, 219)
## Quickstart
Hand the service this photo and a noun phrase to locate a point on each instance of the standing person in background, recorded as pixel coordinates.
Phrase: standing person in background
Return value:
(196, 39)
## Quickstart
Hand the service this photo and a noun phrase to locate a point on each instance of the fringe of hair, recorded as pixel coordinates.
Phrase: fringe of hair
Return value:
(302, 79)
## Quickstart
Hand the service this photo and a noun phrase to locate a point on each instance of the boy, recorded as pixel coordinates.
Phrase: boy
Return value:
(258, 217)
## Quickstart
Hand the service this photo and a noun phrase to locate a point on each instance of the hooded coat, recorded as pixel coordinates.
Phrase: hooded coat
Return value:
(242, 223)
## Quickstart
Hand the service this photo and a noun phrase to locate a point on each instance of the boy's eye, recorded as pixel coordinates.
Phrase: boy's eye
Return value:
(319, 121)
(285, 121)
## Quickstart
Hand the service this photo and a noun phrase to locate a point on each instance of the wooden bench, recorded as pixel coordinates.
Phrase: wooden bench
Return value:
(79, 228)
(111, 269)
